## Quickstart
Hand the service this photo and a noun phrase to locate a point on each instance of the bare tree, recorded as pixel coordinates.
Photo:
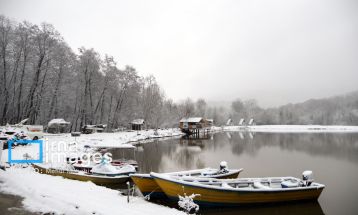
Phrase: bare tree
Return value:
(45, 38)
(201, 106)
(5, 34)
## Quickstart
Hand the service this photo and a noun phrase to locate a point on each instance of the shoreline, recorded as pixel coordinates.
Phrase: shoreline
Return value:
(10, 203)
(293, 128)
(36, 196)
(39, 193)
(53, 194)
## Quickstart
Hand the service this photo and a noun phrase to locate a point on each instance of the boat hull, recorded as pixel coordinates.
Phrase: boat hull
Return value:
(214, 197)
(99, 180)
(148, 186)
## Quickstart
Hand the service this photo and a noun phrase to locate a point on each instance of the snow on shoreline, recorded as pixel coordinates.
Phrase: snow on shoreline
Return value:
(118, 139)
(63, 144)
(45, 193)
(127, 139)
(294, 128)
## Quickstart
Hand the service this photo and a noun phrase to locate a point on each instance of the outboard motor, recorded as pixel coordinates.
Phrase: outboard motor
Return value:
(307, 177)
(223, 167)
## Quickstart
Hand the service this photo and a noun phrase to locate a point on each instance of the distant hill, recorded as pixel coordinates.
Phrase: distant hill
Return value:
(337, 110)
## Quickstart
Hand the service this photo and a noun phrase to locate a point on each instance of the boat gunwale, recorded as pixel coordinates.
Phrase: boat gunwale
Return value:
(178, 174)
(232, 189)
(209, 204)
(59, 172)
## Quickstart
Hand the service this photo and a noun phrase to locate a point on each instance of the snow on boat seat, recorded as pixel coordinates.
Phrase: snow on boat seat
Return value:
(259, 185)
(209, 172)
(107, 169)
(289, 184)
(226, 185)
(241, 185)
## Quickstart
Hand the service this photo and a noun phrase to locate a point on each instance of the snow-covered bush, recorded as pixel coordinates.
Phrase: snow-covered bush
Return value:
(187, 203)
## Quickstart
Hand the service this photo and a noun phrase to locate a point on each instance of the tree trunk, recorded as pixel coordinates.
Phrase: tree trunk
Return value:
(54, 97)
(5, 93)
(30, 102)
(19, 98)
(39, 96)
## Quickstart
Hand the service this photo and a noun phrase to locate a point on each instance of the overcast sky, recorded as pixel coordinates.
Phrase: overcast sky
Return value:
(273, 51)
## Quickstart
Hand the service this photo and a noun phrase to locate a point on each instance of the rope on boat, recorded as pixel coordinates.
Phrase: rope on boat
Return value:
(147, 197)
(129, 193)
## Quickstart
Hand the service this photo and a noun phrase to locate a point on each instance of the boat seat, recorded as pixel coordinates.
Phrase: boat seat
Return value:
(241, 185)
(289, 184)
(226, 185)
(259, 185)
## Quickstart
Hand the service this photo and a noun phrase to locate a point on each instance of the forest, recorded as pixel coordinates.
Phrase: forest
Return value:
(42, 78)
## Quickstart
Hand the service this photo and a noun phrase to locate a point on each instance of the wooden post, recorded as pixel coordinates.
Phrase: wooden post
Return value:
(129, 190)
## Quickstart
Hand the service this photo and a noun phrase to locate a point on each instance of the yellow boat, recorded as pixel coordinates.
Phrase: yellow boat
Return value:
(236, 192)
(148, 187)
(83, 176)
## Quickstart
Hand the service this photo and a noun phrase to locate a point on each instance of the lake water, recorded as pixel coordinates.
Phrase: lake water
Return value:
(333, 158)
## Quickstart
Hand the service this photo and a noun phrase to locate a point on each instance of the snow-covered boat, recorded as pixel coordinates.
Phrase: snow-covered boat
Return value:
(121, 162)
(236, 192)
(102, 174)
(87, 166)
(105, 169)
(84, 166)
(147, 185)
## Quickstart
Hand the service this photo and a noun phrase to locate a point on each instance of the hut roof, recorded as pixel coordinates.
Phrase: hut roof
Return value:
(191, 119)
(138, 122)
(58, 122)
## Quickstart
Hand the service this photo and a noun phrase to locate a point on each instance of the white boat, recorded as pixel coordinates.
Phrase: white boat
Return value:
(110, 170)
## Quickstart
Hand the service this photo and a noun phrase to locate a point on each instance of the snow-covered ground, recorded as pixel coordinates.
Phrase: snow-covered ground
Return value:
(45, 193)
(293, 128)
(303, 128)
(59, 146)
(116, 139)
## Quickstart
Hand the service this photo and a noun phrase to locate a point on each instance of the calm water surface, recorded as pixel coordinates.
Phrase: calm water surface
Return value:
(333, 158)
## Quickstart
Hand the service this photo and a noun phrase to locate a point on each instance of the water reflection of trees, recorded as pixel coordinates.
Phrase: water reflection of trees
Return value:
(338, 145)
(151, 157)
(187, 153)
